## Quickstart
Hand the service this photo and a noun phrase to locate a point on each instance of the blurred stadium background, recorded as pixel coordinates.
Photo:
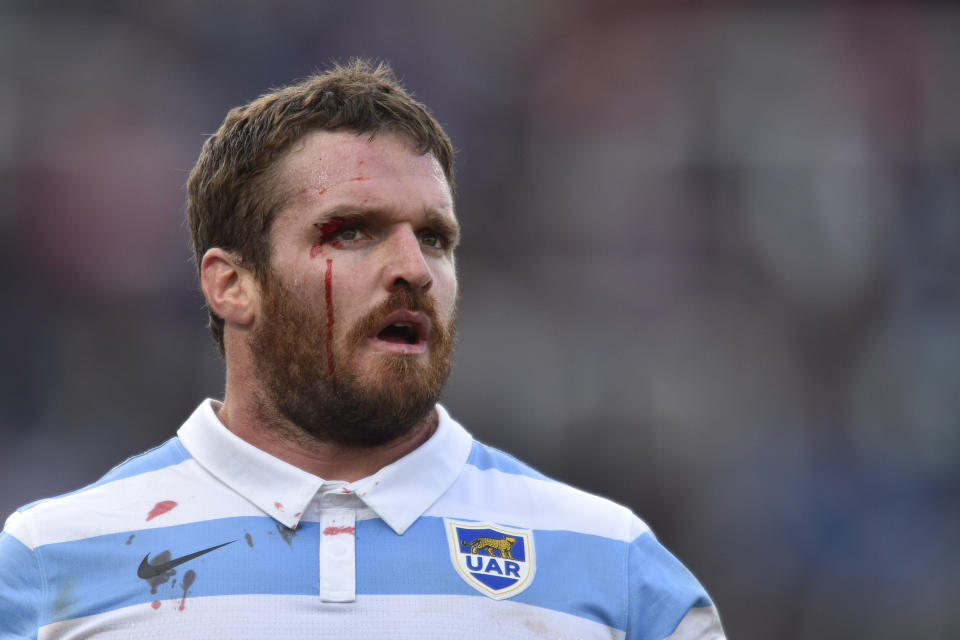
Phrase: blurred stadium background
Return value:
(710, 265)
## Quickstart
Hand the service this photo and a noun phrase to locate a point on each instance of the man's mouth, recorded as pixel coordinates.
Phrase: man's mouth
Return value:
(404, 329)
(400, 333)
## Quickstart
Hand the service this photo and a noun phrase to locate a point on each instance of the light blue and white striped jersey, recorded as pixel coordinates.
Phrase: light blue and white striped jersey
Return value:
(207, 536)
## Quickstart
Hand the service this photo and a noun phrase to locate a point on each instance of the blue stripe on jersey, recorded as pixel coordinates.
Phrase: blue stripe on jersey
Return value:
(100, 574)
(663, 590)
(588, 587)
(484, 457)
(20, 589)
(167, 454)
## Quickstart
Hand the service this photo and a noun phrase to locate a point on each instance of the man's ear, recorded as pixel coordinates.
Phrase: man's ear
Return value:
(231, 290)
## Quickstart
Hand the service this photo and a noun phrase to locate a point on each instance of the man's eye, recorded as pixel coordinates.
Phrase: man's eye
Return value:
(432, 239)
(348, 233)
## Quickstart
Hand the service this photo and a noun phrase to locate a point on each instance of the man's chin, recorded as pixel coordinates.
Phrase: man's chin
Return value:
(376, 361)
(403, 387)
(384, 369)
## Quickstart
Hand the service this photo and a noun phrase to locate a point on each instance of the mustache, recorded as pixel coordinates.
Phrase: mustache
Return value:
(404, 298)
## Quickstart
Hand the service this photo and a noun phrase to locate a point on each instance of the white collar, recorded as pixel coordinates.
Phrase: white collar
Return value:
(399, 493)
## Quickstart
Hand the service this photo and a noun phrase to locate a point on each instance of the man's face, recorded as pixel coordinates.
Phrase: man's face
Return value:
(357, 321)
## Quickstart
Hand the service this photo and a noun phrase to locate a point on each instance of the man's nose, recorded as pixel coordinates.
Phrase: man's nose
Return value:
(405, 262)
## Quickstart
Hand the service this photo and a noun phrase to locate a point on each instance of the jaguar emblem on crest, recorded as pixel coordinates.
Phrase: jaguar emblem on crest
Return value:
(495, 560)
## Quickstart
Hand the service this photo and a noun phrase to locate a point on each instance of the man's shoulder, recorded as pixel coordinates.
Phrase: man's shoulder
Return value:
(484, 457)
(34, 522)
(519, 491)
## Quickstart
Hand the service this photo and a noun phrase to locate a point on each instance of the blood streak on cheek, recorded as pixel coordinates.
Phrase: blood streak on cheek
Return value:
(328, 293)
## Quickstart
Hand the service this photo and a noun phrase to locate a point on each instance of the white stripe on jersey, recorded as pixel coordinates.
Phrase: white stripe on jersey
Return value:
(490, 495)
(533, 502)
(701, 623)
(423, 617)
(126, 504)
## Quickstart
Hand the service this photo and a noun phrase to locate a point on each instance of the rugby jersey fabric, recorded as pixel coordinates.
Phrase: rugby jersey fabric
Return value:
(208, 536)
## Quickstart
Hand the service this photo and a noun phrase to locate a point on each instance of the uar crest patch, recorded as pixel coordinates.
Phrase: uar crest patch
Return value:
(497, 561)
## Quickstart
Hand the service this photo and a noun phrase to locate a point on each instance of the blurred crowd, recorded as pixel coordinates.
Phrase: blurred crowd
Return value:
(710, 263)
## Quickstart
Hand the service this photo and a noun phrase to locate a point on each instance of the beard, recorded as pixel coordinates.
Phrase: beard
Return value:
(318, 387)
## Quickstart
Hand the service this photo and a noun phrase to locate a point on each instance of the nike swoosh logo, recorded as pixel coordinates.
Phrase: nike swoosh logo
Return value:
(147, 570)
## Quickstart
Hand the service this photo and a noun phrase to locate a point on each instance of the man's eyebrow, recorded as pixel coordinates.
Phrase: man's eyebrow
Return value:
(443, 225)
(432, 219)
(351, 214)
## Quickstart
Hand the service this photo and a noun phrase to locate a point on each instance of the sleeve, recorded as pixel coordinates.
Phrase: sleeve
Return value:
(21, 586)
(666, 602)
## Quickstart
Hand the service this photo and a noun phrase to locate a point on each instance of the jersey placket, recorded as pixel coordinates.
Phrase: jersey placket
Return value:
(337, 548)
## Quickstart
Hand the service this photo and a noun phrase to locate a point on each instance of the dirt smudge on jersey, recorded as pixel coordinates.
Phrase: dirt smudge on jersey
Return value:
(287, 534)
(157, 580)
(188, 578)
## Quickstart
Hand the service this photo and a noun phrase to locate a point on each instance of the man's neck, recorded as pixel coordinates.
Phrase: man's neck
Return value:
(274, 434)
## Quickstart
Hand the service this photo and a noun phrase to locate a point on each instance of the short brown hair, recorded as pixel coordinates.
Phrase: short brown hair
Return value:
(232, 193)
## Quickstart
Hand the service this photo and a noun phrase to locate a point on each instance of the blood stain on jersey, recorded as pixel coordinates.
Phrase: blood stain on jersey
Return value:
(130, 539)
(496, 560)
(335, 531)
(249, 539)
(161, 508)
(155, 604)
